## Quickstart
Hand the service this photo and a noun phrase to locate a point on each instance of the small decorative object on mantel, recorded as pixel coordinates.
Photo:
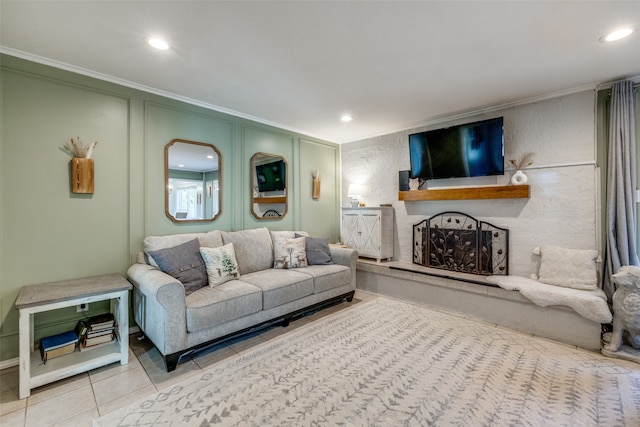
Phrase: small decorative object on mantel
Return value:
(81, 165)
(519, 178)
(414, 184)
(316, 184)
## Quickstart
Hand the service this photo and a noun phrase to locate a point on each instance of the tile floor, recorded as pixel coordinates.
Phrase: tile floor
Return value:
(76, 401)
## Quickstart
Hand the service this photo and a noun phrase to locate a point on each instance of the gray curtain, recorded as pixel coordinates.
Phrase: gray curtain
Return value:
(621, 183)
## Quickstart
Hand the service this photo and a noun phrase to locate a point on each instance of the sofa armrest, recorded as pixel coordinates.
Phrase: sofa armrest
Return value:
(157, 284)
(347, 257)
(344, 256)
(160, 308)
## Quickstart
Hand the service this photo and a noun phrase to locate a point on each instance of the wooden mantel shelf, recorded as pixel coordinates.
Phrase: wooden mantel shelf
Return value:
(274, 199)
(467, 193)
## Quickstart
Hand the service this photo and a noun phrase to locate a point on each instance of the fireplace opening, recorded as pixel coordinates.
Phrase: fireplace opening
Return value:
(458, 242)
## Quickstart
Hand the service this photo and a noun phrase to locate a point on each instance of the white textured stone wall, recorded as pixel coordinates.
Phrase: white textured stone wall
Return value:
(563, 208)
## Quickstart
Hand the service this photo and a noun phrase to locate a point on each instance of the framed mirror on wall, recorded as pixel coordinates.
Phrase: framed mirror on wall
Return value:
(192, 181)
(268, 186)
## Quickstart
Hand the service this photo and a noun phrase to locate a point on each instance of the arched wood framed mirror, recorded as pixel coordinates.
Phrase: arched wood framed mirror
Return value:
(192, 173)
(268, 186)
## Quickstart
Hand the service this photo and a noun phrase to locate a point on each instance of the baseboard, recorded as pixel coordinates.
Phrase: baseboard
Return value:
(10, 363)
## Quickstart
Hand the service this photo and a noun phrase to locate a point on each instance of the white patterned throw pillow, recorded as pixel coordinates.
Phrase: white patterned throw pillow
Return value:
(570, 268)
(221, 264)
(289, 252)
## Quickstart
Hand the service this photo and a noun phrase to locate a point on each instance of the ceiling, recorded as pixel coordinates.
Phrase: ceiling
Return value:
(300, 65)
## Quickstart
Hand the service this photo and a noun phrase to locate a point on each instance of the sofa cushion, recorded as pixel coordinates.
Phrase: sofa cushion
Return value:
(280, 286)
(184, 263)
(318, 252)
(289, 252)
(327, 277)
(288, 234)
(213, 306)
(212, 239)
(221, 264)
(253, 248)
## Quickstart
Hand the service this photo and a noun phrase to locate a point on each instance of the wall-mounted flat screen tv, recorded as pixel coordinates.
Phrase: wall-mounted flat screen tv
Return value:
(271, 176)
(469, 150)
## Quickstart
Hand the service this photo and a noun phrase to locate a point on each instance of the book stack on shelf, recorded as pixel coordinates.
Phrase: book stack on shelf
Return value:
(96, 331)
(58, 345)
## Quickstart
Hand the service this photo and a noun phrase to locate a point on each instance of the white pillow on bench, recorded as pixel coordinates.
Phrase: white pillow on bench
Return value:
(569, 268)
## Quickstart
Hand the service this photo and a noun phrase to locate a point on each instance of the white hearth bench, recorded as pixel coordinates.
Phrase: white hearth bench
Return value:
(463, 294)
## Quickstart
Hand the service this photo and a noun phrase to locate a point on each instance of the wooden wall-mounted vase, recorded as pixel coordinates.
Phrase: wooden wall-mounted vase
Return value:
(82, 175)
(316, 188)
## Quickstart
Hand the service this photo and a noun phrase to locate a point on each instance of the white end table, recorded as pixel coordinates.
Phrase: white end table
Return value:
(50, 296)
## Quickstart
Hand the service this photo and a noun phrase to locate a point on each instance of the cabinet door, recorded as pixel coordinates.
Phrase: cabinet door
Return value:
(369, 234)
(350, 229)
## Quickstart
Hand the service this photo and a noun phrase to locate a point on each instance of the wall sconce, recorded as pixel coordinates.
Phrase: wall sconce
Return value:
(82, 175)
(82, 166)
(355, 191)
(316, 185)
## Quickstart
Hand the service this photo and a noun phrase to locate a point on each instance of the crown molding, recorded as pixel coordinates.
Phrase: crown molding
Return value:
(217, 108)
(487, 110)
(126, 83)
(607, 85)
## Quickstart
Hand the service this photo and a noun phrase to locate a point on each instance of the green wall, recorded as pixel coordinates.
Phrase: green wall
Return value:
(317, 214)
(50, 234)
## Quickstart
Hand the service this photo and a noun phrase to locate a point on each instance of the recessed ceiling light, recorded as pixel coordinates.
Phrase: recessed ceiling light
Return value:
(158, 44)
(180, 166)
(346, 118)
(616, 35)
(209, 156)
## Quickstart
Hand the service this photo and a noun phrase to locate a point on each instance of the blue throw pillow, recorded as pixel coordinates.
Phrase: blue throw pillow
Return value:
(184, 263)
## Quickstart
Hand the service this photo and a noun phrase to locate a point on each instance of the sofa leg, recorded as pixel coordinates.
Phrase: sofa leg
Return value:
(286, 321)
(350, 297)
(171, 361)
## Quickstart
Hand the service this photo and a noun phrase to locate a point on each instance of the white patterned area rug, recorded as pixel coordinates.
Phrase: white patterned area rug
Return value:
(388, 363)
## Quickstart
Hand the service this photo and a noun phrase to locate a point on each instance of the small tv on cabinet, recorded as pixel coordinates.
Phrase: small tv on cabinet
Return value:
(271, 176)
(468, 150)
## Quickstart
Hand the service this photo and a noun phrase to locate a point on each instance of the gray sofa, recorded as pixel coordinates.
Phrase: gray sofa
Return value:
(178, 322)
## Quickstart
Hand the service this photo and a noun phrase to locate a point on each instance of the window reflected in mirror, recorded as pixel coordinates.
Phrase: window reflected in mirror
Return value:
(192, 181)
(268, 186)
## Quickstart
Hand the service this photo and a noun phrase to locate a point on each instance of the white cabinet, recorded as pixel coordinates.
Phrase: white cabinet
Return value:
(369, 230)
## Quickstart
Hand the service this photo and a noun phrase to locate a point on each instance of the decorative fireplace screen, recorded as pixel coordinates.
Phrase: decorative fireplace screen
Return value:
(458, 242)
